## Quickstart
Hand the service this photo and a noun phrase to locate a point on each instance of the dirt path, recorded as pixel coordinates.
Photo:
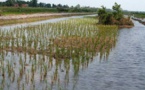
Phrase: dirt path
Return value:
(36, 15)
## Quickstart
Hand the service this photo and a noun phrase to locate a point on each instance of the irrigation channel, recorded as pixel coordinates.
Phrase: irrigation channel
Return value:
(41, 22)
(51, 57)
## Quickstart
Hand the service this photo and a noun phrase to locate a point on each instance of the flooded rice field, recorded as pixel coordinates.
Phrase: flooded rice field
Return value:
(73, 54)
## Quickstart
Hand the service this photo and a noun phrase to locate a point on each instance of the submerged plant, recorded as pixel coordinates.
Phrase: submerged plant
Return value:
(46, 51)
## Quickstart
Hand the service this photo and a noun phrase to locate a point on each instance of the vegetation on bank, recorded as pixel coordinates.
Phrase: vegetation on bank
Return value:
(31, 10)
(28, 7)
(138, 14)
(26, 10)
(26, 20)
(34, 19)
(31, 3)
(114, 17)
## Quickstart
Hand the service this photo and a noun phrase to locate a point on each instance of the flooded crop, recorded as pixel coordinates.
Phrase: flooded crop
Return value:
(50, 56)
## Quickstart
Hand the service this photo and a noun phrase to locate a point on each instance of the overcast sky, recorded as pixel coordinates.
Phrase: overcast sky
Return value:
(132, 5)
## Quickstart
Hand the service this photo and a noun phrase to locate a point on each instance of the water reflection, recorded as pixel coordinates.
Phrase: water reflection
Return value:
(50, 56)
(7, 27)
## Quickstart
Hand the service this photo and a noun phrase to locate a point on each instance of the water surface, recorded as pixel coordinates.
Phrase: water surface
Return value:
(40, 22)
(125, 67)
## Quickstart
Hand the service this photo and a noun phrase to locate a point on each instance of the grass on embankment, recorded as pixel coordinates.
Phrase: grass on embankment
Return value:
(8, 11)
(25, 10)
(34, 19)
(139, 15)
(32, 10)
(26, 20)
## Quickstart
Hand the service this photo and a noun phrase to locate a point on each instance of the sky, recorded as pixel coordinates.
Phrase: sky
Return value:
(131, 5)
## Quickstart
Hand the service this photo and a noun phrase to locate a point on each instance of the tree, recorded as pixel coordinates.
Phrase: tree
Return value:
(41, 4)
(34, 3)
(113, 18)
(54, 6)
(65, 6)
(108, 17)
(117, 11)
(59, 6)
(10, 2)
(78, 6)
(20, 2)
(102, 13)
(48, 5)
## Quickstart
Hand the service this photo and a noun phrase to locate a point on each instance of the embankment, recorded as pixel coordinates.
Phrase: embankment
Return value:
(139, 20)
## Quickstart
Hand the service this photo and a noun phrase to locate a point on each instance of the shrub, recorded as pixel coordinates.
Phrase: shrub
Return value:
(113, 18)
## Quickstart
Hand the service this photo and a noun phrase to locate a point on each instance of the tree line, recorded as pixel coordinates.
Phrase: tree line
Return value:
(60, 7)
(32, 3)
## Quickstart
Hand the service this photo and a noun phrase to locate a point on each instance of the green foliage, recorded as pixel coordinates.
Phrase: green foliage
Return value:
(113, 18)
(104, 16)
(117, 12)
(33, 3)
(102, 11)
(29, 10)
(10, 2)
(138, 14)
(19, 2)
(13, 4)
(26, 10)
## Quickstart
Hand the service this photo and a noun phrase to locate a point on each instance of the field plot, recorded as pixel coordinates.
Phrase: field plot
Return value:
(49, 56)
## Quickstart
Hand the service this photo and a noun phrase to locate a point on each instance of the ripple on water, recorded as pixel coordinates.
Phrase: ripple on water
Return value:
(125, 67)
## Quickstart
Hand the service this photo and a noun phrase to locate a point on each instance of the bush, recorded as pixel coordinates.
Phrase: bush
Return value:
(113, 18)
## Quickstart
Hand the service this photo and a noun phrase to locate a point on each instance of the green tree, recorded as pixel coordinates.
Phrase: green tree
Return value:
(41, 4)
(117, 11)
(10, 2)
(48, 5)
(20, 2)
(113, 18)
(34, 3)
(101, 13)
(54, 6)
(110, 17)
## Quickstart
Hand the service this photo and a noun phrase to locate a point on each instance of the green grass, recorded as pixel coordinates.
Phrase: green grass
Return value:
(31, 10)
(139, 14)
(25, 10)
(34, 19)
(18, 21)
